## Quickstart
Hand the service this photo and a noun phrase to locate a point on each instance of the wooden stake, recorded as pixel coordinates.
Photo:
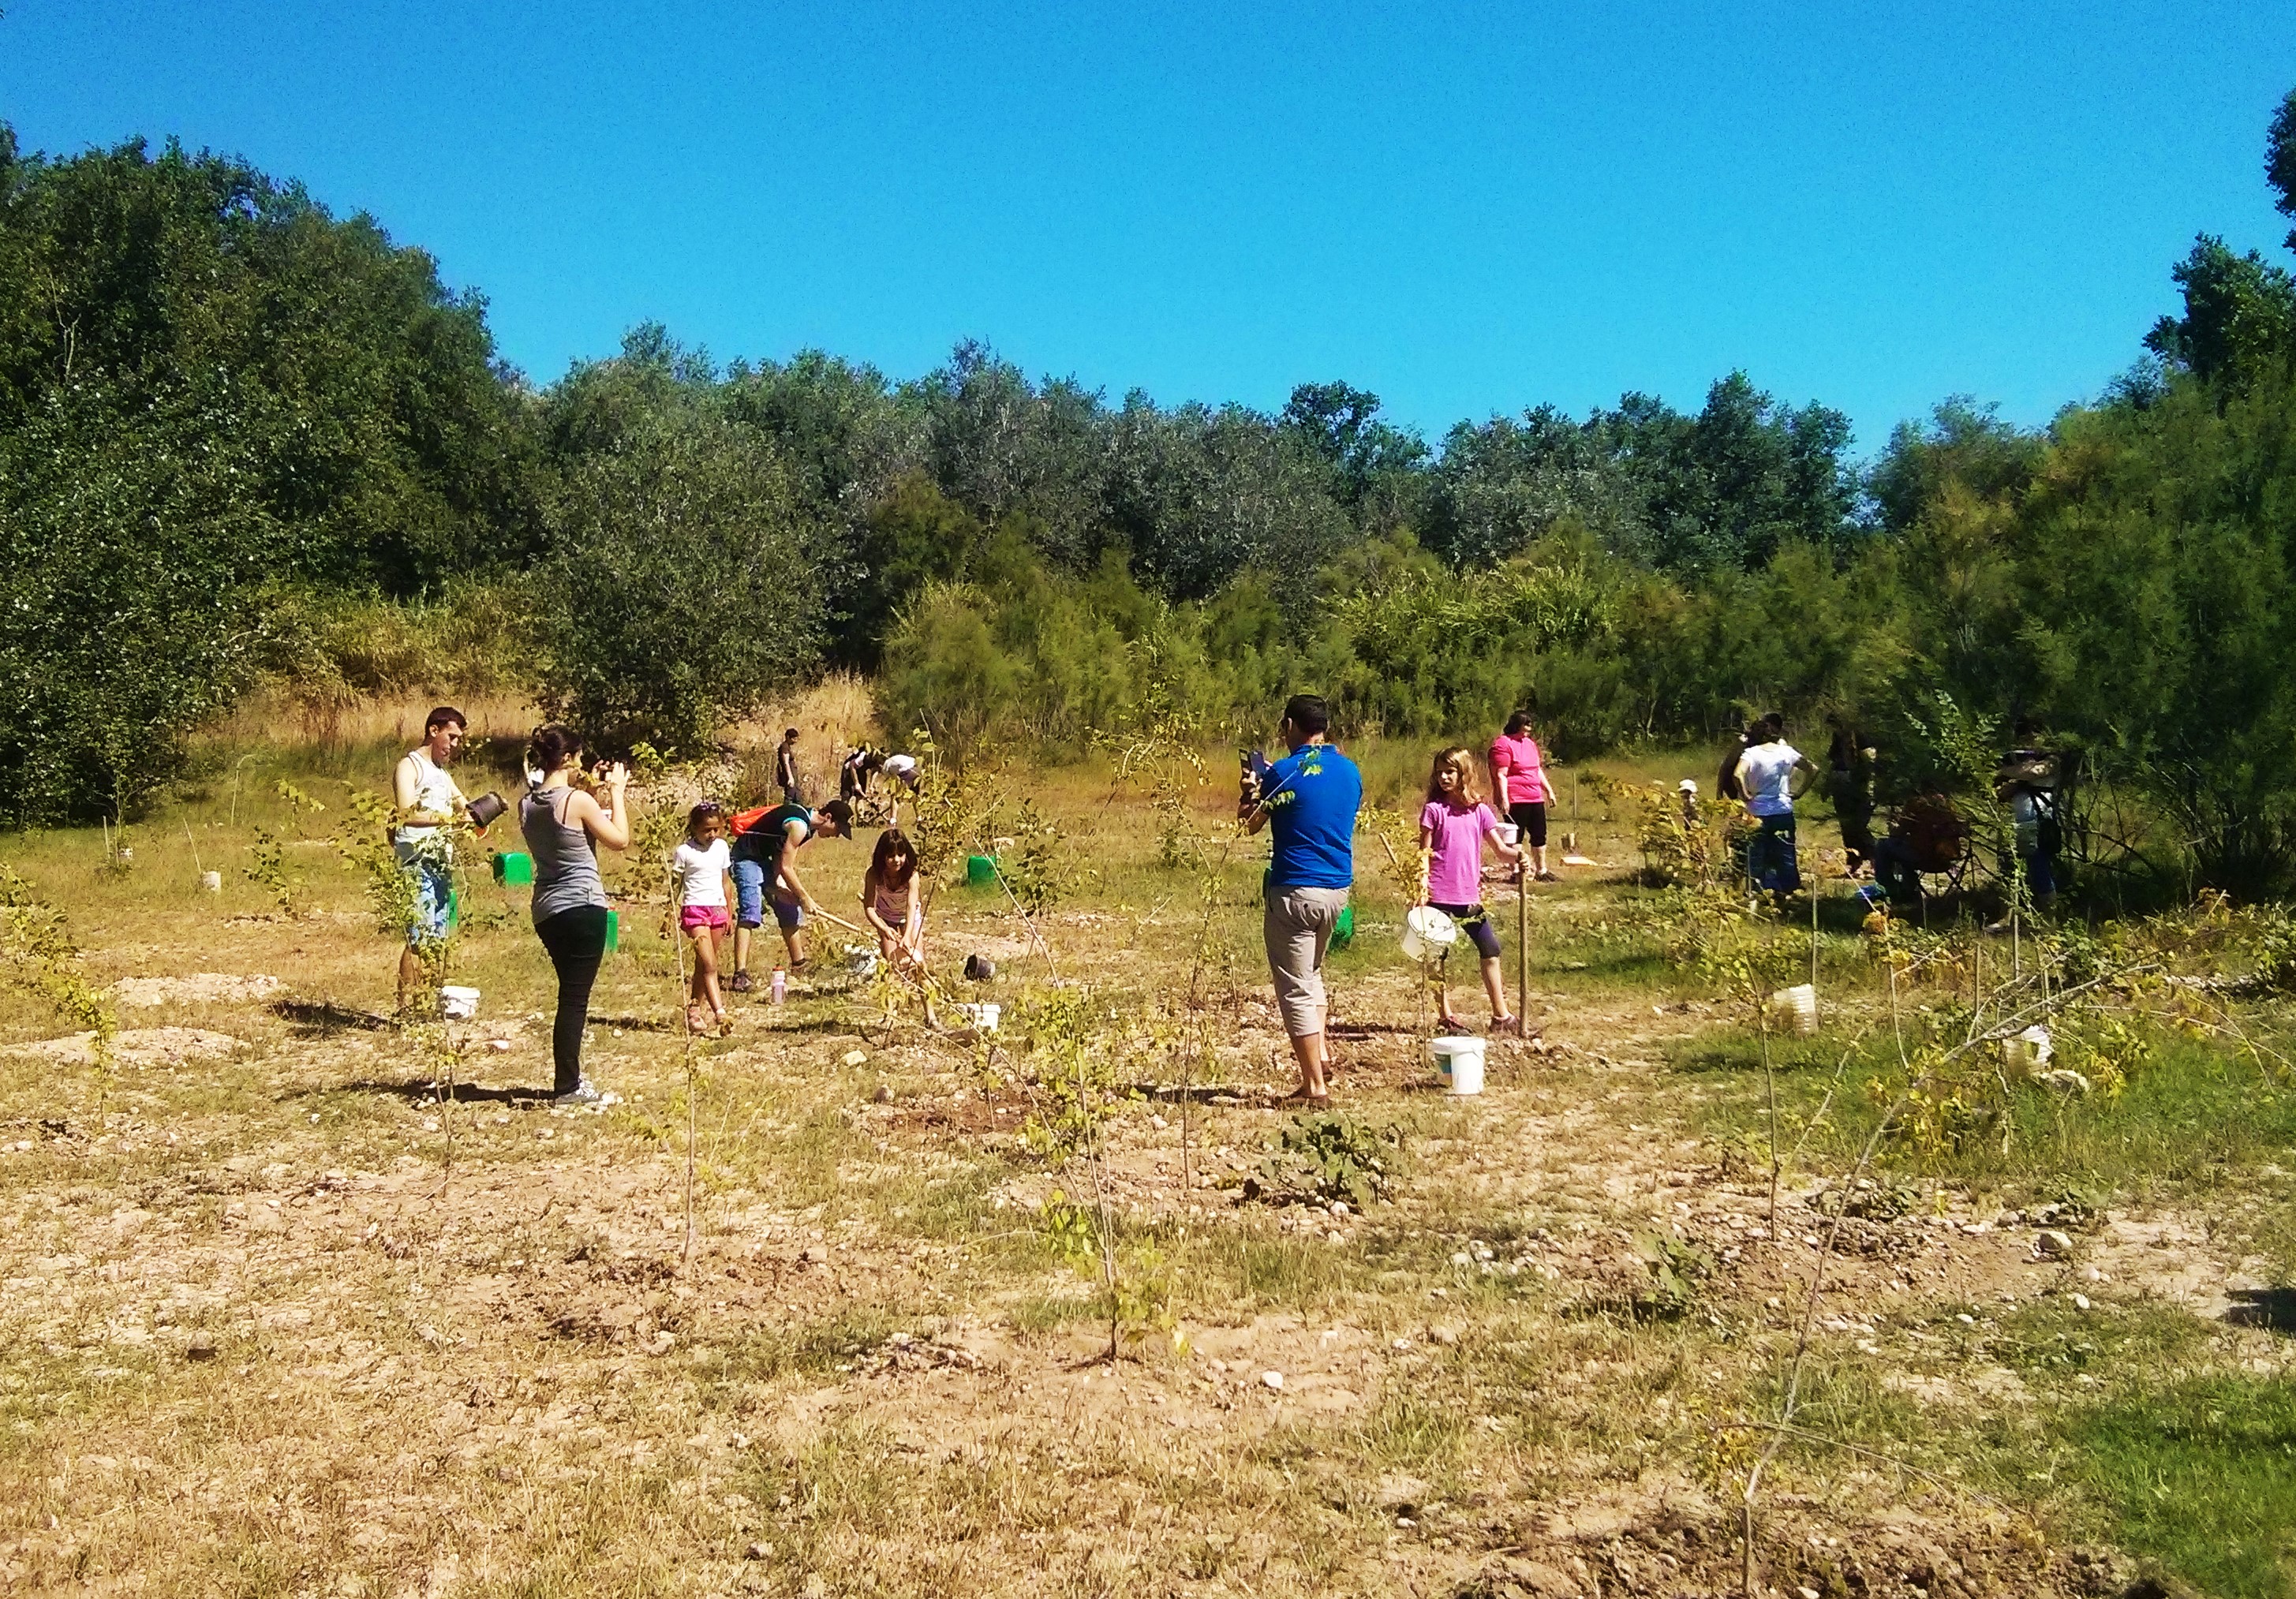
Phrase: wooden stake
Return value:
(1522, 950)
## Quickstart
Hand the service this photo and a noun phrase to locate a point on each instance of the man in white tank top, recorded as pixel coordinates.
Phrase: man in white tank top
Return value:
(427, 800)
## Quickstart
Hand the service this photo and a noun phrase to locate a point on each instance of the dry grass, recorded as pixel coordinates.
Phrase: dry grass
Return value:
(459, 1347)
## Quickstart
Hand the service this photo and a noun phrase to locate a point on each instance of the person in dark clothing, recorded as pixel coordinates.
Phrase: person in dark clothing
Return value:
(2028, 783)
(786, 777)
(1850, 784)
(563, 826)
(1727, 786)
(786, 830)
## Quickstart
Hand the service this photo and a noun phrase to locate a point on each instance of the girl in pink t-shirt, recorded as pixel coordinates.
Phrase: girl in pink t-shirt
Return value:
(1452, 828)
(1520, 775)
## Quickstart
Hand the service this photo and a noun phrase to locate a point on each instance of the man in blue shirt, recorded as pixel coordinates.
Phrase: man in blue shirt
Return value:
(1308, 800)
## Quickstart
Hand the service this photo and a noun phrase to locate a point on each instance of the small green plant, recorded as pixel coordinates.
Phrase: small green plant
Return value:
(1133, 1288)
(1075, 1077)
(1036, 868)
(1327, 1155)
(950, 812)
(299, 805)
(38, 957)
(362, 841)
(1676, 1267)
(266, 868)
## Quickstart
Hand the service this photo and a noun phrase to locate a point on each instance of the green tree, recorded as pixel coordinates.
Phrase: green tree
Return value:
(678, 591)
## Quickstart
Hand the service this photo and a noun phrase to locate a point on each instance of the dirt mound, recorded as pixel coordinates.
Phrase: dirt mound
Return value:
(136, 1047)
(201, 988)
(1694, 1550)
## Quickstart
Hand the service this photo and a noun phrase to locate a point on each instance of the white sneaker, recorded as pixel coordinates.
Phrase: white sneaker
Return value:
(585, 1094)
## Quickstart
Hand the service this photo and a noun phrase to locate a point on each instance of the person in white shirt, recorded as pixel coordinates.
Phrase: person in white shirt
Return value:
(427, 800)
(703, 868)
(1765, 774)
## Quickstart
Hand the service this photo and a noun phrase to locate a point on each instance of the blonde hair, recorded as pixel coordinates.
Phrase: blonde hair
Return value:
(1471, 790)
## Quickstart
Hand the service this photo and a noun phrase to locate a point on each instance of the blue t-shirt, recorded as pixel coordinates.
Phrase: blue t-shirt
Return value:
(1312, 795)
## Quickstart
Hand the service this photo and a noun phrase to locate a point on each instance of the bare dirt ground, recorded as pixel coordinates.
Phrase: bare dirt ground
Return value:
(283, 1320)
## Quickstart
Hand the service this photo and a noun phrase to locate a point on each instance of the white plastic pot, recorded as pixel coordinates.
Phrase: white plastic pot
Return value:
(1799, 1006)
(2026, 1050)
(1428, 934)
(458, 1005)
(984, 1015)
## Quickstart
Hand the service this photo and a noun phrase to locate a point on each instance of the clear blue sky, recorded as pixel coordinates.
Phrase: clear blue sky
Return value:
(1465, 208)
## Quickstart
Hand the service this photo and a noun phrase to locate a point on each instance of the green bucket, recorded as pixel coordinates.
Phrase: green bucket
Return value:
(514, 868)
(1343, 930)
(980, 870)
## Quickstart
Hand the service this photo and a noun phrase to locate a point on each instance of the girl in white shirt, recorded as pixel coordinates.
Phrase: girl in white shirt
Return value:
(702, 866)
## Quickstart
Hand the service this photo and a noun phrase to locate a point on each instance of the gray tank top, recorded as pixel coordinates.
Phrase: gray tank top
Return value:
(565, 862)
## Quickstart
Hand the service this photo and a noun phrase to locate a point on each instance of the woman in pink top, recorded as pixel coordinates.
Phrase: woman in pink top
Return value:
(1452, 828)
(1520, 775)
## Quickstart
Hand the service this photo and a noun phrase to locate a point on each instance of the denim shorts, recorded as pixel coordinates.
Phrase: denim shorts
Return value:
(788, 914)
(433, 876)
(750, 891)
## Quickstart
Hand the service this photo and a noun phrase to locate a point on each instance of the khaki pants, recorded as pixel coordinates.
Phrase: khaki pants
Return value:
(1298, 925)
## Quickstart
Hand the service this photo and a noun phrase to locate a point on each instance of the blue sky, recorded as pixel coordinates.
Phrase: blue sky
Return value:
(1465, 208)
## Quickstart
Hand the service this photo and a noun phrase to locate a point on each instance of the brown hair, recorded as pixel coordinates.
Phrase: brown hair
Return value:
(1470, 791)
(551, 744)
(888, 841)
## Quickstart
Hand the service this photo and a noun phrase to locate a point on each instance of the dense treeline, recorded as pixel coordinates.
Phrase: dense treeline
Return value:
(240, 436)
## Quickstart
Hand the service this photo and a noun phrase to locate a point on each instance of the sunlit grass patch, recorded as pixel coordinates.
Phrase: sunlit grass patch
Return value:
(2200, 1474)
(2193, 1114)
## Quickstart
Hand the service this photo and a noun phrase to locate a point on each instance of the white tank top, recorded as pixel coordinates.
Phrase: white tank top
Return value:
(434, 792)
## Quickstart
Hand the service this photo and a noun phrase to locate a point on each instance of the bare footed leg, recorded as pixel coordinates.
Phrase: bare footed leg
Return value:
(1308, 1052)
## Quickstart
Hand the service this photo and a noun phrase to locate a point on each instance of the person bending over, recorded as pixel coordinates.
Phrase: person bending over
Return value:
(788, 829)
(893, 900)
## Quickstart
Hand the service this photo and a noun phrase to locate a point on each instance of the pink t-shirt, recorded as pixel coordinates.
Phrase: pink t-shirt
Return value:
(1454, 844)
(1520, 773)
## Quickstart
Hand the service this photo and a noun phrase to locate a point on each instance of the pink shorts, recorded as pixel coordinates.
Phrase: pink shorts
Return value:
(693, 917)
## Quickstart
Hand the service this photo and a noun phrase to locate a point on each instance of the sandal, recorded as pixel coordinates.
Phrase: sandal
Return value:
(1295, 1099)
(1507, 1024)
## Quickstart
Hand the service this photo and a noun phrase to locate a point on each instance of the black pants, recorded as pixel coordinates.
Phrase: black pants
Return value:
(1530, 815)
(576, 940)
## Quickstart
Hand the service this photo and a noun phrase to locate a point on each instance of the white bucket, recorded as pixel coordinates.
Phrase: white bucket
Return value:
(212, 881)
(1459, 1063)
(1428, 933)
(1798, 1005)
(1508, 833)
(458, 1005)
(983, 1015)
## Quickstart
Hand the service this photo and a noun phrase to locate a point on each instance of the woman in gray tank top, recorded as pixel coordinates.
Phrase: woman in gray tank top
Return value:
(563, 826)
